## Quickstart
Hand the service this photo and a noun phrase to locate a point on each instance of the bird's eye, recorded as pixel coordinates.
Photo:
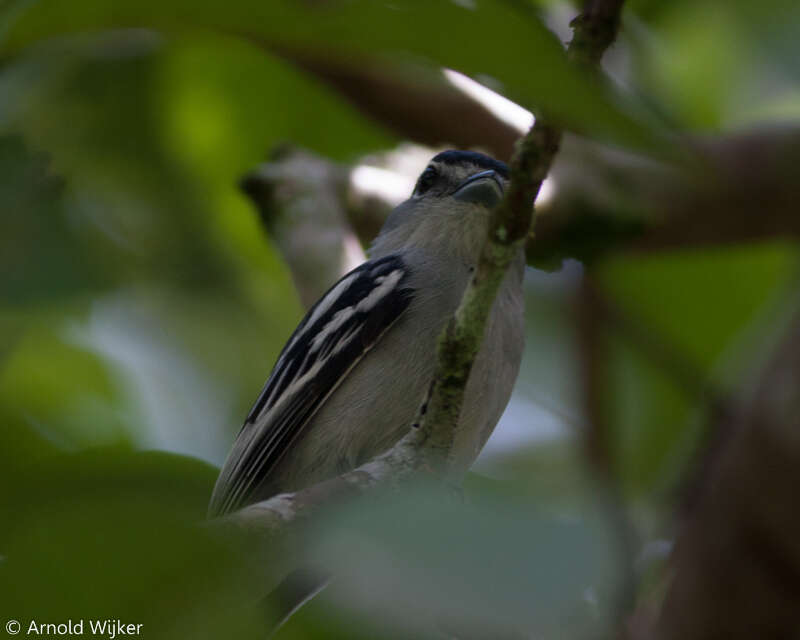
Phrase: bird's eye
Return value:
(426, 180)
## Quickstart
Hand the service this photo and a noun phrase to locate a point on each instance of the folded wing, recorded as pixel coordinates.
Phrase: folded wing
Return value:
(334, 336)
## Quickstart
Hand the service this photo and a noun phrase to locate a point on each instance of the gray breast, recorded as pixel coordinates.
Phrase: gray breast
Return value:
(377, 402)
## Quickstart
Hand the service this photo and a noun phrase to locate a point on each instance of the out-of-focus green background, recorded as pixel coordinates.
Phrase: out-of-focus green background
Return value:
(142, 304)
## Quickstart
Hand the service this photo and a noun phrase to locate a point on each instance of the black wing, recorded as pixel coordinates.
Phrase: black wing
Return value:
(333, 337)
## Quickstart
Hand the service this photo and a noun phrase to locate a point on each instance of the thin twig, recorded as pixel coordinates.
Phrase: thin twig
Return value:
(597, 440)
(593, 31)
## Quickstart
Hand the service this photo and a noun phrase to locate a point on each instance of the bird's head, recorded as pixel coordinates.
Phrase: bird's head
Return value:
(449, 206)
(464, 176)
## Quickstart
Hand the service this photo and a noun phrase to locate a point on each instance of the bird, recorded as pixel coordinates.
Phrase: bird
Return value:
(351, 377)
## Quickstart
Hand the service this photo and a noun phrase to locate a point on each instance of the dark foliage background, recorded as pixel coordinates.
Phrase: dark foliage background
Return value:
(142, 304)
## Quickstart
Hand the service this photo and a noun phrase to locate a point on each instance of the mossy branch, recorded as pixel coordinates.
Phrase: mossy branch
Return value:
(593, 31)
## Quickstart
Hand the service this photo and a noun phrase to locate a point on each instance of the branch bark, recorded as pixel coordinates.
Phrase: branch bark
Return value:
(736, 188)
(411, 101)
(736, 563)
(299, 198)
(740, 188)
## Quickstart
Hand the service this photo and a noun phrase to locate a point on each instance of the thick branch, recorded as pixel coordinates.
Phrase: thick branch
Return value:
(740, 188)
(412, 102)
(737, 561)
(737, 188)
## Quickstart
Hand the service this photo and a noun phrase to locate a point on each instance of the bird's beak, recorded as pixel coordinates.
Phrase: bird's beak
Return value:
(484, 188)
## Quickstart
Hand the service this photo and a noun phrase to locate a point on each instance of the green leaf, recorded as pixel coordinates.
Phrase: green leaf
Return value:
(490, 566)
(504, 41)
(63, 393)
(709, 309)
(110, 534)
(42, 256)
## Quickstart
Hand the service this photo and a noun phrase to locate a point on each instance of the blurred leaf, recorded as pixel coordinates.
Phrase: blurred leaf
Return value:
(124, 199)
(33, 215)
(719, 65)
(109, 534)
(473, 40)
(701, 94)
(152, 141)
(481, 570)
(700, 300)
(549, 474)
(704, 304)
(650, 418)
(61, 391)
(770, 26)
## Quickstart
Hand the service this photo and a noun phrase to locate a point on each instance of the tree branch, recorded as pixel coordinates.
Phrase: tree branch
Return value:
(593, 32)
(411, 101)
(736, 188)
(736, 563)
(597, 438)
(299, 198)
